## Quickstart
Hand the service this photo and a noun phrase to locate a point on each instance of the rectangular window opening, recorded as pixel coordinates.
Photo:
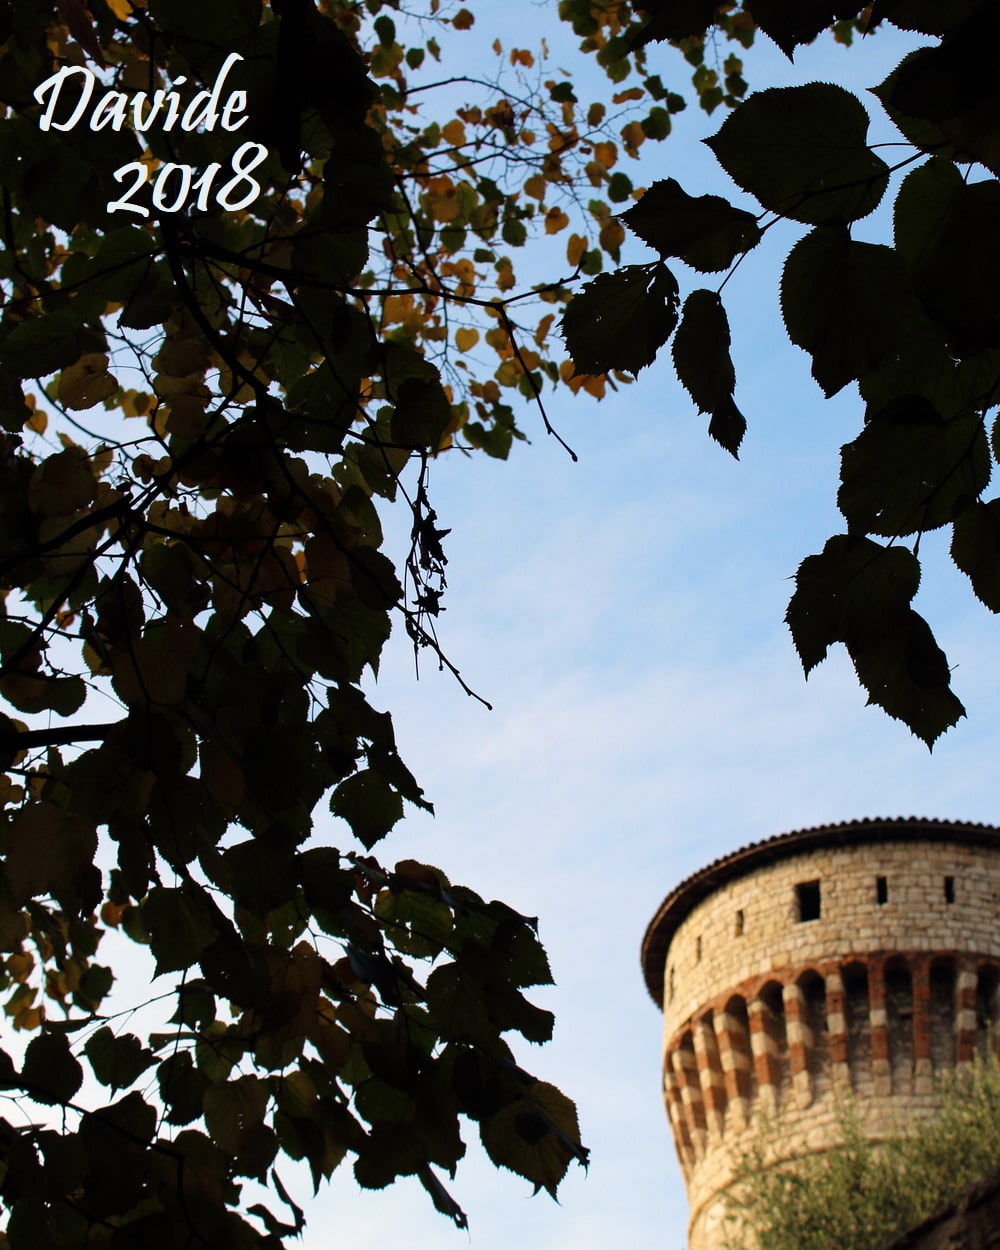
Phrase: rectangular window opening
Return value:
(881, 890)
(949, 889)
(739, 923)
(807, 900)
(697, 951)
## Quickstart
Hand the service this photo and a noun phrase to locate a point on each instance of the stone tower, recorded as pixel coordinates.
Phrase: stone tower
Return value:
(862, 957)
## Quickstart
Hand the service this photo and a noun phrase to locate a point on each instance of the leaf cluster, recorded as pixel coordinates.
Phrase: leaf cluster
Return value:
(913, 323)
(204, 413)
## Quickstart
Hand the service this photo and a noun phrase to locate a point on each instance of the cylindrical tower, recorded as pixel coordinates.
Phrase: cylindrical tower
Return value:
(861, 957)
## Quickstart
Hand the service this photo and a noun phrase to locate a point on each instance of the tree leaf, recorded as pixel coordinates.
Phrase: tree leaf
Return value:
(704, 366)
(117, 1060)
(853, 592)
(846, 303)
(369, 805)
(802, 152)
(944, 230)
(704, 231)
(621, 320)
(909, 470)
(536, 1136)
(47, 850)
(233, 1109)
(790, 25)
(50, 1070)
(975, 548)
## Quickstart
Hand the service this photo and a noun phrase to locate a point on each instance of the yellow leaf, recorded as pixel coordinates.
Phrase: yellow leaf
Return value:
(466, 338)
(121, 8)
(453, 133)
(555, 220)
(633, 135)
(535, 187)
(612, 236)
(576, 249)
(86, 383)
(606, 154)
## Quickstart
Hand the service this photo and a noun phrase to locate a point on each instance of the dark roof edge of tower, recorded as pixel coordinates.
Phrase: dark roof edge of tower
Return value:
(691, 891)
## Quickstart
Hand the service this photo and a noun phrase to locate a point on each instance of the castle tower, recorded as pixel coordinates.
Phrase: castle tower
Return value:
(856, 958)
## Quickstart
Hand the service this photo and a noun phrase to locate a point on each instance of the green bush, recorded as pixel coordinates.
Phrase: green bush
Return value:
(859, 1195)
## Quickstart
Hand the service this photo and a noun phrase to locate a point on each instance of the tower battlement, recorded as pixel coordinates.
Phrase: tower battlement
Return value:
(854, 959)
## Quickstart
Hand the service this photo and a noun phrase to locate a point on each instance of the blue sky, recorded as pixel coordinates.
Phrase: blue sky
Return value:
(624, 617)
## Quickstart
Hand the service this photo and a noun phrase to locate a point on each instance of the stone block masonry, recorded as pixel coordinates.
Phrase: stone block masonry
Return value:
(856, 959)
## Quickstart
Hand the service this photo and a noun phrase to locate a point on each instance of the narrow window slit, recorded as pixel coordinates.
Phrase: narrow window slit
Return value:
(807, 900)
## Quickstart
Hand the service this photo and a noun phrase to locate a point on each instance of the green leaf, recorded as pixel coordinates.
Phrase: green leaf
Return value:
(705, 368)
(421, 413)
(909, 470)
(233, 1109)
(675, 19)
(182, 1087)
(854, 591)
(369, 804)
(704, 231)
(536, 1136)
(975, 548)
(802, 152)
(117, 1060)
(179, 926)
(846, 303)
(621, 320)
(906, 673)
(790, 25)
(50, 1071)
(858, 593)
(945, 229)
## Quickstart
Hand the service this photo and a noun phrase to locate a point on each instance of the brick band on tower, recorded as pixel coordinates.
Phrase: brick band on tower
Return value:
(854, 959)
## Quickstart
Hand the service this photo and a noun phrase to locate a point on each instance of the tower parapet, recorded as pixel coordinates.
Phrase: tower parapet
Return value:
(861, 958)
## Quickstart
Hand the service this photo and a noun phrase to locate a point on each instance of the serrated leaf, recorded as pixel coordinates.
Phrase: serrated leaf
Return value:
(117, 1060)
(802, 152)
(50, 1069)
(906, 674)
(47, 850)
(675, 19)
(182, 1087)
(536, 1136)
(704, 231)
(233, 1109)
(87, 382)
(790, 25)
(975, 548)
(704, 366)
(854, 591)
(945, 231)
(846, 303)
(622, 319)
(858, 592)
(909, 470)
(369, 805)
(179, 928)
